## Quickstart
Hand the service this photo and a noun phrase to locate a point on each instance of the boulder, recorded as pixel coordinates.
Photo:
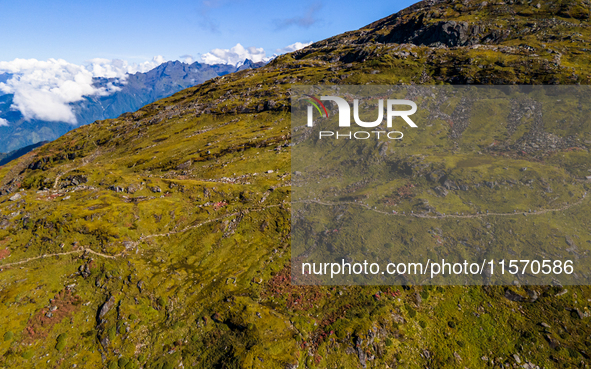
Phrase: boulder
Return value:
(106, 307)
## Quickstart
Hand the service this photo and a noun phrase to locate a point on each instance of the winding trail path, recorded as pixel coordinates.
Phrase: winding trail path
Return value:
(85, 161)
(90, 251)
(167, 234)
(246, 211)
(187, 228)
(417, 215)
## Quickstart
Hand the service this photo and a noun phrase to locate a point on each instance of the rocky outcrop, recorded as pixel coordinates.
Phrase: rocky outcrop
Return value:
(105, 308)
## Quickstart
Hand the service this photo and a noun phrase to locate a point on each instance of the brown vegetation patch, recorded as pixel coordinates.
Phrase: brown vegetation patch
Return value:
(403, 193)
(61, 306)
(296, 297)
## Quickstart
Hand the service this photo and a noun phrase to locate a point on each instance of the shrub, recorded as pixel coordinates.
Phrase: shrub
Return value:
(60, 345)
(425, 295)
(411, 312)
(61, 342)
(122, 362)
(8, 336)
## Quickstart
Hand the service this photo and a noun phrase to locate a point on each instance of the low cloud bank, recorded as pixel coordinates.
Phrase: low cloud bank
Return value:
(44, 89)
(293, 47)
(235, 55)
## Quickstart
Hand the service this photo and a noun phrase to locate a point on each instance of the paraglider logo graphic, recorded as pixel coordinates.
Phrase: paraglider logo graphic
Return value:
(316, 102)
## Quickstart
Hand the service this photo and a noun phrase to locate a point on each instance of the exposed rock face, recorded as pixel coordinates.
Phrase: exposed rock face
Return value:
(446, 33)
(106, 307)
(440, 191)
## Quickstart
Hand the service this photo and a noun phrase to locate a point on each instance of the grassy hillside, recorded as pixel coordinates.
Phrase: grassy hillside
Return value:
(162, 237)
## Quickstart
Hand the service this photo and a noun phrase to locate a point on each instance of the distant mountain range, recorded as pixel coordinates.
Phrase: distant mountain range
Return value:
(138, 90)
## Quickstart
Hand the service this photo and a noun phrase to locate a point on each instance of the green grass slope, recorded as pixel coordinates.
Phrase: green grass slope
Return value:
(161, 238)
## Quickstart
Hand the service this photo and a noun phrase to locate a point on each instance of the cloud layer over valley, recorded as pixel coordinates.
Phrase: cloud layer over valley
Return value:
(45, 89)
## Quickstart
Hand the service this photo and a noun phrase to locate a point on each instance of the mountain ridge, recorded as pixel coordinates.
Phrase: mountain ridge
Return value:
(137, 90)
(185, 204)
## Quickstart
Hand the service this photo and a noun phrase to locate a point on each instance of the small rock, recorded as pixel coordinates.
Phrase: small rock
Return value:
(510, 295)
(117, 189)
(517, 358)
(533, 295)
(440, 191)
(133, 188)
(570, 242)
(576, 313)
(15, 197)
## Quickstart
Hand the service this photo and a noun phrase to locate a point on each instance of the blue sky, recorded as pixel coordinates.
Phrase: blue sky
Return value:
(51, 51)
(136, 31)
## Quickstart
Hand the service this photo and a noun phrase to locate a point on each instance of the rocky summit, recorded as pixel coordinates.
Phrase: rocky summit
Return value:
(161, 239)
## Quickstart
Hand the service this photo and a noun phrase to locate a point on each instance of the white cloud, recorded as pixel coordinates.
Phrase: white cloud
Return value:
(117, 68)
(292, 47)
(235, 55)
(44, 89)
(3, 123)
(189, 59)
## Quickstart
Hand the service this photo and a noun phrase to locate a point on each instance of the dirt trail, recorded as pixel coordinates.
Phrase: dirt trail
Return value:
(537, 212)
(187, 228)
(85, 161)
(167, 234)
(90, 251)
